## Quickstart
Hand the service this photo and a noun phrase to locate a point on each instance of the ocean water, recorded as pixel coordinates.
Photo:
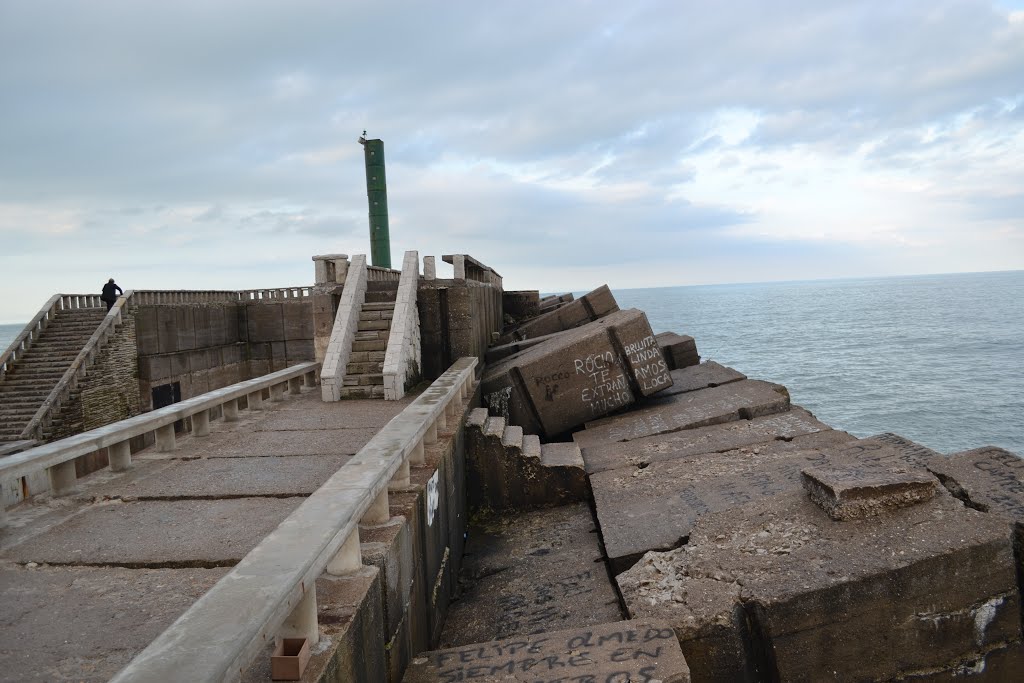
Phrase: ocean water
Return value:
(938, 359)
(7, 335)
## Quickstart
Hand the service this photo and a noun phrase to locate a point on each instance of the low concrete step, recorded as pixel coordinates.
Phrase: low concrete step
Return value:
(366, 357)
(364, 368)
(362, 392)
(378, 306)
(371, 335)
(374, 325)
(379, 345)
(382, 286)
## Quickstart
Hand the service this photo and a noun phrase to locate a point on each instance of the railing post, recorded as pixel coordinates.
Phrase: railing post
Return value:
(276, 393)
(417, 455)
(165, 442)
(231, 410)
(256, 400)
(294, 385)
(349, 557)
(442, 420)
(379, 512)
(400, 480)
(201, 423)
(62, 478)
(120, 456)
(302, 622)
(310, 378)
(431, 436)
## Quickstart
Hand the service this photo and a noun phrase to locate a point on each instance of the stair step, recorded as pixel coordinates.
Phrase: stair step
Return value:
(512, 437)
(561, 455)
(379, 297)
(382, 286)
(366, 357)
(362, 392)
(374, 325)
(364, 368)
(379, 345)
(372, 335)
(495, 426)
(379, 306)
(531, 446)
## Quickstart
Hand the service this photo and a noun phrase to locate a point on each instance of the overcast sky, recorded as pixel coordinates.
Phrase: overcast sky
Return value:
(213, 145)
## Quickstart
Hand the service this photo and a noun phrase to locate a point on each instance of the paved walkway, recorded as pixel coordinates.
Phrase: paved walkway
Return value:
(88, 580)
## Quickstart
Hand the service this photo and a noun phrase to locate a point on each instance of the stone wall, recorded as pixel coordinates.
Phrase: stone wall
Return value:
(457, 318)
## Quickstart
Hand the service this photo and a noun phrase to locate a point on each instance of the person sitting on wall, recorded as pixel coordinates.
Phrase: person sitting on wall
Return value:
(108, 297)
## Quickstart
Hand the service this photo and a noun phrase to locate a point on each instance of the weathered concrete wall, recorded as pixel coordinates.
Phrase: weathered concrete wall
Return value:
(204, 347)
(457, 318)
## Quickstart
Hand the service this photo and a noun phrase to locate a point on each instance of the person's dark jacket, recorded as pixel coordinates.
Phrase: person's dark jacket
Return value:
(108, 292)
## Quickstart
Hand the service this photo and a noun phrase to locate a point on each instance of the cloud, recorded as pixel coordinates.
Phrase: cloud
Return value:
(534, 135)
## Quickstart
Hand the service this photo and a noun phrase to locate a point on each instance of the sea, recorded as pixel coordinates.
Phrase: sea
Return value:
(938, 359)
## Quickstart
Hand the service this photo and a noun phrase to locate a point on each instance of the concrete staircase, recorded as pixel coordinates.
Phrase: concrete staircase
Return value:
(27, 385)
(364, 374)
(507, 469)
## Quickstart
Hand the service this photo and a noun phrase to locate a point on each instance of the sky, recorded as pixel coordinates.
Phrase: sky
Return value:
(566, 144)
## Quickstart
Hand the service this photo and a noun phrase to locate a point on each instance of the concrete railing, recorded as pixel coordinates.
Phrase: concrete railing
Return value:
(466, 267)
(402, 359)
(378, 274)
(343, 333)
(275, 294)
(57, 303)
(76, 371)
(271, 593)
(58, 458)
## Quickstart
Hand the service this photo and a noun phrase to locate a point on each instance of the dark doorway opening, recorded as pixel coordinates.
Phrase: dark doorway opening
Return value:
(166, 394)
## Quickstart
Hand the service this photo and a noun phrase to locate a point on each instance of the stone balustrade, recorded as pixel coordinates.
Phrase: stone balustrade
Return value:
(57, 303)
(378, 274)
(343, 332)
(402, 359)
(58, 458)
(271, 593)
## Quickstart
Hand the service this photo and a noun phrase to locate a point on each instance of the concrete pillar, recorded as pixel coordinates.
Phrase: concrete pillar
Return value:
(165, 438)
(379, 512)
(401, 478)
(302, 622)
(256, 400)
(294, 385)
(459, 264)
(310, 378)
(464, 389)
(62, 478)
(349, 557)
(276, 393)
(120, 456)
(201, 423)
(441, 423)
(429, 268)
(431, 435)
(417, 455)
(231, 410)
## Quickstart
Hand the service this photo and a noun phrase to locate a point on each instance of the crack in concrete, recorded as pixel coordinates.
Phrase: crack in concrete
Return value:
(959, 492)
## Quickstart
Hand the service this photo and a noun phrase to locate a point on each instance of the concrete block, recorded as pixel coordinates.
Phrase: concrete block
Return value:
(168, 329)
(701, 376)
(521, 304)
(201, 316)
(298, 320)
(680, 350)
(621, 651)
(776, 590)
(299, 350)
(147, 330)
(578, 375)
(185, 326)
(179, 363)
(591, 306)
(854, 492)
(741, 400)
(389, 548)
(788, 426)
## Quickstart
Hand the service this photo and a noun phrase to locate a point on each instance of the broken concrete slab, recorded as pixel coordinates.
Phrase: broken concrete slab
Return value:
(853, 492)
(990, 479)
(777, 590)
(179, 533)
(520, 304)
(589, 307)
(641, 650)
(295, 475)
(680, 350)
(784, 427)
(741, 400)
(496, 353)
(702, 376)
(528, 573)
(578, 375)
(104, 617)
(655, 507)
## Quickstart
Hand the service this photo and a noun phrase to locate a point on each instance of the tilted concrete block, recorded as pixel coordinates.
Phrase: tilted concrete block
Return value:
(589, 307)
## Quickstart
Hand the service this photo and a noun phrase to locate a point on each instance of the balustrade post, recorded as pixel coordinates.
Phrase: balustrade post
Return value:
(165, 441)
(401, 478)
(231, 410)
(310, 378)
(349, 557)
(62, 478)
(201, 423)
(441, 423)
(417, 456)
(302, 622)
(378, 512)
(256, 400)
(294, 385)
(120, 456)
(431, 436)
(276, 393)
